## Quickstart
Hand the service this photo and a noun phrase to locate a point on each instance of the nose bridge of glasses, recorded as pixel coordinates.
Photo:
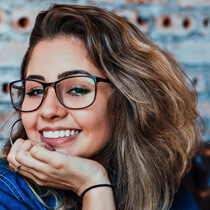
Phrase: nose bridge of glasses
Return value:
(50, 94)
(50, 84)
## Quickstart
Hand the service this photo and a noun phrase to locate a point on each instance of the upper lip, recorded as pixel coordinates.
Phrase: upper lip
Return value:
(57, 128)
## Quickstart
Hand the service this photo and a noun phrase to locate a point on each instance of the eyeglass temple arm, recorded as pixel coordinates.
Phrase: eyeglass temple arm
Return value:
(98, 79)
(17, 87)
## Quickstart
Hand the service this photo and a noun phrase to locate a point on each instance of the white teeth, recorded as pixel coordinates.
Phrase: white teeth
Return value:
(72, 132)
(58, 134)
(55, 134)
(45, 134)
(50, 134)
(67, 133)
(62, 133)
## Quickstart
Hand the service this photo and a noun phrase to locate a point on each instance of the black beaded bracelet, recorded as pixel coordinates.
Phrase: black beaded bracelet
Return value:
(94, 186)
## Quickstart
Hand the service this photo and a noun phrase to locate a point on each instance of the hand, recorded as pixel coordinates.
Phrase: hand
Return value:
(53, 169)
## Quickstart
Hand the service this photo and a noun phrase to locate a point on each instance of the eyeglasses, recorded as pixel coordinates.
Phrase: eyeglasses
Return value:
(75, 92)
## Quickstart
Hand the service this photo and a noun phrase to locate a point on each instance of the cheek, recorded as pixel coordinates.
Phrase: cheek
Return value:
(96, 133)
(29, 123)
(94, 121)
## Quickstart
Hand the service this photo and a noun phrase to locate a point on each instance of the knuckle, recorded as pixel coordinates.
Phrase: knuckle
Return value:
(41, 144)
(39, 182)
(58, 163)
(9, 158)
(34, 151)
(28, 143)
(42, 177)
(19, 141)
(19, 157)
(42, 168)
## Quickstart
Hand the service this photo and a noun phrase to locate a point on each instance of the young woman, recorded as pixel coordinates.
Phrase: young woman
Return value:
(107, 118)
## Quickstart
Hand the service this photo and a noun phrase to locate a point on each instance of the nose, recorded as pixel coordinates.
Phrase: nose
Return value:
(51, 108)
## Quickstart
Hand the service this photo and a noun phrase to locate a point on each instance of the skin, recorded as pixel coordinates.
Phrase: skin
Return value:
(71, 166)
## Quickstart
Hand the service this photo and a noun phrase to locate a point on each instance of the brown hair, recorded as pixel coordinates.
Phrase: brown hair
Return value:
(155, 127)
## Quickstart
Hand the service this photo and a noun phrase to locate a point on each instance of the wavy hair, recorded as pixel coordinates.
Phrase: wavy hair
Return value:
(154, 118)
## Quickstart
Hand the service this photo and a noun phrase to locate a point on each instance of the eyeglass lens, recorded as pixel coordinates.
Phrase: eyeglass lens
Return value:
(74, 92)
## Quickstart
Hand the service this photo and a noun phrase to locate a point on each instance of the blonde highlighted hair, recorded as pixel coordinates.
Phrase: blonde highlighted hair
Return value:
(155, 129)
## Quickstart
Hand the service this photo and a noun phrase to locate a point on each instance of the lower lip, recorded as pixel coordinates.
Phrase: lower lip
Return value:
(58, 141)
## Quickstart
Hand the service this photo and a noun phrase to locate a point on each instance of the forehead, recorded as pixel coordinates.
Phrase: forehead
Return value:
(53, 57)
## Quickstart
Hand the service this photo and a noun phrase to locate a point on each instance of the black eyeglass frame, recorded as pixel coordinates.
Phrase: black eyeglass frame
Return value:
(53, 84)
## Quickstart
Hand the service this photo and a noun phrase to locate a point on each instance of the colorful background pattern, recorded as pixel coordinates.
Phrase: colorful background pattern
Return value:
(182, 27)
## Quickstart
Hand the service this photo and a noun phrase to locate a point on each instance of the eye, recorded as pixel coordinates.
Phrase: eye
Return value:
(34, 92)
(78, 91)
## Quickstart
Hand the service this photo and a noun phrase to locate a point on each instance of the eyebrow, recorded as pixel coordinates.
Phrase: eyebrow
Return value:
(73, 72)
(33, 76)
(60, 76)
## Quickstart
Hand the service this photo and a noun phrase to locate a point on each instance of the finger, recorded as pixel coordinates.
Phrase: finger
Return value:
(43, 182)
(23, 152)
(11, 158)
(21, 155)
(43, 178)
(29, 162)
(12, 166)
(27, 145)
(45, 145)
(45, 155)
(38, 174)
(19, 145)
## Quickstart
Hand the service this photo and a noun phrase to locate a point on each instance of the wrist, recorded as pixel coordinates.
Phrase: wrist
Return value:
(97, 175)
(99, 198)
(99, 191)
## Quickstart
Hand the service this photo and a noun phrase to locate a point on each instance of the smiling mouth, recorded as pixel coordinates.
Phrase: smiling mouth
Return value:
(60, 134)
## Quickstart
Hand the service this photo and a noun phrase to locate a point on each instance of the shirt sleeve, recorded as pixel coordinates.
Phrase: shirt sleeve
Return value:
(7, 201)
(15, 192)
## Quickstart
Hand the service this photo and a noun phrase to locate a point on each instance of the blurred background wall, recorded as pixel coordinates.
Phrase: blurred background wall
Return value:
(181, 27)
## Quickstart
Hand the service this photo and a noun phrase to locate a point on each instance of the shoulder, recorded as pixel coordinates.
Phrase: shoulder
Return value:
(14, 191)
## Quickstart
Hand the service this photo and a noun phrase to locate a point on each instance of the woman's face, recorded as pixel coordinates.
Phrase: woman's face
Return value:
(89, 128)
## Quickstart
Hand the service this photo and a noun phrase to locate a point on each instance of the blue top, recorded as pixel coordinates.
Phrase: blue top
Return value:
(16, 194)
